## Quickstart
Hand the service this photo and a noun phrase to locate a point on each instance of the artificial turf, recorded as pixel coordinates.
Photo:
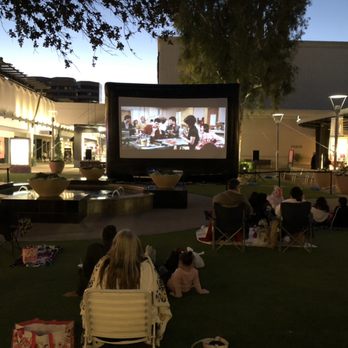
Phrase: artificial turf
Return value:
(260, 298)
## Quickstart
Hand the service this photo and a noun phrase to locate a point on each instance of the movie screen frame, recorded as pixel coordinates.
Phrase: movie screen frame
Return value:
(130, 153)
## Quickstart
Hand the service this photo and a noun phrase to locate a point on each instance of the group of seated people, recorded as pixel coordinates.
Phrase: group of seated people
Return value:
(265, 210)
(196, 134)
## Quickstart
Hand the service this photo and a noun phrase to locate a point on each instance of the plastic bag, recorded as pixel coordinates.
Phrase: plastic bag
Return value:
(198, 261)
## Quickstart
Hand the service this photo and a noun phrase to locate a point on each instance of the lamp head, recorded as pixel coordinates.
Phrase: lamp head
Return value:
(337, 101)
(277, 118)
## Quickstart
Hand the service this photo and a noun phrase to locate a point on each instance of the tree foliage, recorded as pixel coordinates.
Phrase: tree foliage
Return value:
(105, 23)
(251, 42)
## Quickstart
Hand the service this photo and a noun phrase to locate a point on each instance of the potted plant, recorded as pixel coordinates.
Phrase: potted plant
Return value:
(92, 170)
(57, 163)
(48, 185)
(341, 178)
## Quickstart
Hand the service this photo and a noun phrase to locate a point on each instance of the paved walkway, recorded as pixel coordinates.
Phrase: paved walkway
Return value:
(146, 223)
(154, 221)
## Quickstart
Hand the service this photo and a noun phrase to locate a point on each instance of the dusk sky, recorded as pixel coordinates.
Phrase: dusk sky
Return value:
(327, 22)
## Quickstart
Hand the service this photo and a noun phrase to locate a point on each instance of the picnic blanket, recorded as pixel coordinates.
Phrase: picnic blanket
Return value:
(38, 255)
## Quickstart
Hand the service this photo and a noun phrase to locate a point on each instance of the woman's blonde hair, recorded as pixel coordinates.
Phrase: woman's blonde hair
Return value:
(125, 257)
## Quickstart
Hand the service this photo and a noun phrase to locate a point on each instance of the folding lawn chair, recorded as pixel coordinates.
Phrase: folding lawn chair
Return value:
(296, 226)
(118, 317)
(229, 226)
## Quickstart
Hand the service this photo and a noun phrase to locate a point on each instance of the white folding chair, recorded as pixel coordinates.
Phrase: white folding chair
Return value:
(118, 317)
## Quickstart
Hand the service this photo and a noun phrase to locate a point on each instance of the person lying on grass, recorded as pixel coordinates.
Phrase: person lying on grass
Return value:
(185, 277)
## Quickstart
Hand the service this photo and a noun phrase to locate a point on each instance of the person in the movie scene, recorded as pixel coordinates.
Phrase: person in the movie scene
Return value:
(172, 130)
(207, 137)
(127, 122)
(191, 135)
(156, 132)
(142, 123)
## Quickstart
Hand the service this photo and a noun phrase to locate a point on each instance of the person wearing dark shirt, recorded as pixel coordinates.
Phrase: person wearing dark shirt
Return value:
(192, 136)
(172, 130)
(94, 253)
(340, 215)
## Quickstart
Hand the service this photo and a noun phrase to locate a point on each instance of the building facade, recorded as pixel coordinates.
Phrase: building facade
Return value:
(322, 71)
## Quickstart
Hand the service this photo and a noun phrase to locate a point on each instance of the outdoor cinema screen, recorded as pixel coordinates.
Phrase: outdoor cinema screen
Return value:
(172, 128)
(194, 128)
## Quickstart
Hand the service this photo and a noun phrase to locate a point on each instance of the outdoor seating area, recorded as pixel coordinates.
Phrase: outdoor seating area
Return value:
(247, 290)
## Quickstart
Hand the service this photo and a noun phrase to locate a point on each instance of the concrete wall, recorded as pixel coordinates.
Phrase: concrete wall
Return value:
(322, 71)
(259, 133)
(80, 113)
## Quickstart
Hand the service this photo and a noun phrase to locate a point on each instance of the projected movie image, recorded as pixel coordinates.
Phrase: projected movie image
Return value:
(175, 128)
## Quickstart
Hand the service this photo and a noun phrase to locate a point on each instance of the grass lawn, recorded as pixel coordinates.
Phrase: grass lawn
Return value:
(258, 299)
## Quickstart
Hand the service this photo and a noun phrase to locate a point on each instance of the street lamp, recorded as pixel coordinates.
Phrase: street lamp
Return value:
(337, 102)
(277, 118)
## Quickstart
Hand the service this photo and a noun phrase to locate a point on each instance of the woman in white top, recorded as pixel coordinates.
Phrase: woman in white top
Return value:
(125, 267)
(320, 211)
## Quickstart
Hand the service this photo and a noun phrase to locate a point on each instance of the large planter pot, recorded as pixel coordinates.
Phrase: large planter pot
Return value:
(166, 181)
(49, 187)
(56, 166)
(322, 179)
(92, 173)
(342, 183)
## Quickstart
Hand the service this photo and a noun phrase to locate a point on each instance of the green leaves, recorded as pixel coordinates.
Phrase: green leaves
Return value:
(250, 42)
(103, 22)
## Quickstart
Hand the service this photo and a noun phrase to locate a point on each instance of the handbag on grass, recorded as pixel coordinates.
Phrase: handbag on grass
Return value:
(38, 333)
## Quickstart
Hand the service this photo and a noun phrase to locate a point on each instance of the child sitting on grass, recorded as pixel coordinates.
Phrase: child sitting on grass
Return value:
(185, 277)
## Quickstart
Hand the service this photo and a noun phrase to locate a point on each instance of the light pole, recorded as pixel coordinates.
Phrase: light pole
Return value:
(277, 118)
(337, 102)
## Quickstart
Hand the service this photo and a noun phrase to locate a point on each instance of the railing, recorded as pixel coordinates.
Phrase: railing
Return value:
(303, 177)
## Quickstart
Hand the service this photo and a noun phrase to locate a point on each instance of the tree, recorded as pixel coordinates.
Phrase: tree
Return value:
(106, 24)
(251, 42)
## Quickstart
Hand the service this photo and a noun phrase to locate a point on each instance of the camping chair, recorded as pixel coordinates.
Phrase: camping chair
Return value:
(340, 219)
(118, 317)
(296, 225)
(228, 225)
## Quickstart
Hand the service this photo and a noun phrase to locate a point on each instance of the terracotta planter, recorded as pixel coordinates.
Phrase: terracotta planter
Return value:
(322, 179)
(342, 183)
(92, 173)
(48, 187)
(166, 181)
(56, 166)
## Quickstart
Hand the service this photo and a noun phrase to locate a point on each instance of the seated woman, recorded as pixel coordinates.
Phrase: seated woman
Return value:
(276, 197)
(126, 267)
(321, 211)
(262, 209)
